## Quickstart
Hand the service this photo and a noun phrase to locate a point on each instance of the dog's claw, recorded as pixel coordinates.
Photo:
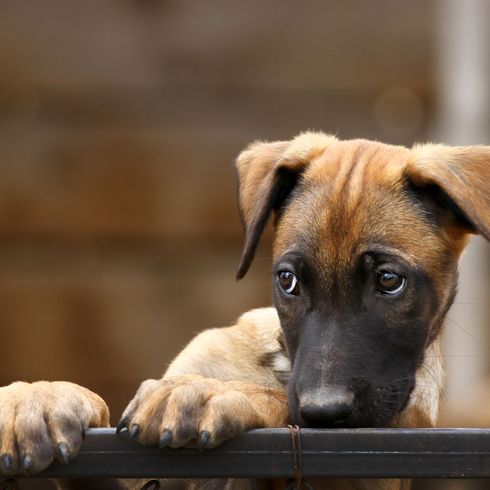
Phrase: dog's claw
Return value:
(134, 431)
(166, 438)
(63, 452)
(121, 425)
(6, 461)
(204, 438)
(27, 463)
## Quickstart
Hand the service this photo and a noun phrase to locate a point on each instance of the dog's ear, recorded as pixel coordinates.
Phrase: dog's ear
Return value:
(267, 172)
(463, 175)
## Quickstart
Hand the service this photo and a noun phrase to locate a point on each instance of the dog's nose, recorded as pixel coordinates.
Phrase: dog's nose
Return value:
(326, 407)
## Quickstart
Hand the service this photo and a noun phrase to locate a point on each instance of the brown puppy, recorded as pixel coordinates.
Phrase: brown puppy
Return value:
(367, 242)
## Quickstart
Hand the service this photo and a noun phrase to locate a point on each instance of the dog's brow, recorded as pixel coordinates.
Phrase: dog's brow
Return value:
(388, 250)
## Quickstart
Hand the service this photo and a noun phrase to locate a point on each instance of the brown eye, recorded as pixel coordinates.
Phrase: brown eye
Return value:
(288, 282)
(390, 283)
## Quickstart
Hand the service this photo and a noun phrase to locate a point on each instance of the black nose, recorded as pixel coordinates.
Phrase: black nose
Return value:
(329, 406)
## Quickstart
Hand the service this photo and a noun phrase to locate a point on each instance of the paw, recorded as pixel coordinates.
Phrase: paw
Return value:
(41, 421)
(191, 410)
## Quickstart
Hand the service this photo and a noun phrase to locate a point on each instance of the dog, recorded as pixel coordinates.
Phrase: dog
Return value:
(365, 256)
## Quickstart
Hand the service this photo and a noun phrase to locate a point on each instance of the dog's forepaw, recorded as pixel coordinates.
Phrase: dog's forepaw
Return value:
(195, 411)
(43, 421)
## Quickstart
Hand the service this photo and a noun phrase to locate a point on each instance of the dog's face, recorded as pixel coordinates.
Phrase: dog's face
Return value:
(365, 263)
(362, 278)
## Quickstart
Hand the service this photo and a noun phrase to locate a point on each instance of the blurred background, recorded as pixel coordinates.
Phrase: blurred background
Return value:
(119, 124)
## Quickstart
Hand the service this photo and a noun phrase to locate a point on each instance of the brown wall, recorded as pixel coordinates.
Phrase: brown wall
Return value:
(119, 122)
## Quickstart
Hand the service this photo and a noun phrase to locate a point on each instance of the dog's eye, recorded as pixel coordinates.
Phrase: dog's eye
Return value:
(389, 282)
(288, 282)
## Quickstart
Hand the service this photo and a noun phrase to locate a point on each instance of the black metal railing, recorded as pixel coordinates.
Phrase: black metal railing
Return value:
(268, 453)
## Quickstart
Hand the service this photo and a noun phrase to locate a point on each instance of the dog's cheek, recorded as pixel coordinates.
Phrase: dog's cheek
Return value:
(404, 325)
(291, 327)
(294, 335)
(427, 301)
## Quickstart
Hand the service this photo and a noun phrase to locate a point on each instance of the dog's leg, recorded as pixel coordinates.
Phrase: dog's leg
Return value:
(225, 381)
(42, 421)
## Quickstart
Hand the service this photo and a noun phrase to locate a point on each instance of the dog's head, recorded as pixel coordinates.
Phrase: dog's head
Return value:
(367, 240)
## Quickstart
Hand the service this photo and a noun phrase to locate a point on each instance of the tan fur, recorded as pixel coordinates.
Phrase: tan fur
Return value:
(238, 351)
(232, 379)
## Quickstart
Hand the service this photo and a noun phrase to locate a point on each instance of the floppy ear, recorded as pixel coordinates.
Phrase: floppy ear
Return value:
(267, 172)
(463, 174)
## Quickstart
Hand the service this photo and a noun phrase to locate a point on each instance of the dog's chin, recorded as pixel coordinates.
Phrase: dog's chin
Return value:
(364, 419)
(356, 421)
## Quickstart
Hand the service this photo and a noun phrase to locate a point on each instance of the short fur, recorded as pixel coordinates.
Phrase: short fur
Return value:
(338, 352)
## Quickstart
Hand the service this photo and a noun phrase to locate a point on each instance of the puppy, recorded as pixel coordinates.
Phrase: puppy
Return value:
(367, 240)
(365, 254)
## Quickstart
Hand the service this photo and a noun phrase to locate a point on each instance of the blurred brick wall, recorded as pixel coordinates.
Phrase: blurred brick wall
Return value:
(119, 122)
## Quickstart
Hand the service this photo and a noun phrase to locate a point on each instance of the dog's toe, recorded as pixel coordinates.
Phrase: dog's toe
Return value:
(199, 412)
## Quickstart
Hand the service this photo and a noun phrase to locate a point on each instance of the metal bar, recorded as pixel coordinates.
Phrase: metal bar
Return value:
(267, 453)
